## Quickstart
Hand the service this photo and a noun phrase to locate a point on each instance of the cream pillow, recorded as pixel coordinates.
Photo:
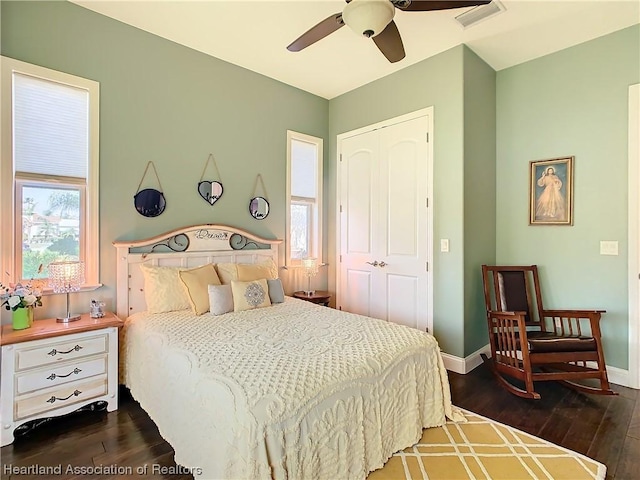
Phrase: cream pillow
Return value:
(163, 290)
(196, 282)
(227, 272)
(249, 295)
(256, 271)
(220, 299)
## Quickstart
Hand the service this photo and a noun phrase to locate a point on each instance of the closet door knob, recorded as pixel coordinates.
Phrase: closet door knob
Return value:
(383, 264)
(375, 263)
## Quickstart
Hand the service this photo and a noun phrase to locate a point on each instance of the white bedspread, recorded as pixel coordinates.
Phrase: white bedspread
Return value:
(291, 391)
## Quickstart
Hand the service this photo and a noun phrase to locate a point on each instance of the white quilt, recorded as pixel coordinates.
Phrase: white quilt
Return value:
(291, 391)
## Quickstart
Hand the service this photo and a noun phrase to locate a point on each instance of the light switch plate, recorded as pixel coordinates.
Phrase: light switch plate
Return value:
(444, 244)
(609, 247)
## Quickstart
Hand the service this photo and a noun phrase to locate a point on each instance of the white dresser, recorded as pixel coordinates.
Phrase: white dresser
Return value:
(52, 369)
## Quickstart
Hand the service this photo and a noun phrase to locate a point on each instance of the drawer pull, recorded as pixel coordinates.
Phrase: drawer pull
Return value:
(54, 352)
(53, 376)
(75, 393)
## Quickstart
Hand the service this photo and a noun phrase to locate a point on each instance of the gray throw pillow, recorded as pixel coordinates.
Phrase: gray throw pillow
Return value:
(276, 292)
(220, 299)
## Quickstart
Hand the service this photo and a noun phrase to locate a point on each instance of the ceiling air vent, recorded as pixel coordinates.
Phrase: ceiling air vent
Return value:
(480, 13)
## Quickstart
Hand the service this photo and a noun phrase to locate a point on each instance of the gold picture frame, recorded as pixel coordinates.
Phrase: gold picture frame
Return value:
(551, 191)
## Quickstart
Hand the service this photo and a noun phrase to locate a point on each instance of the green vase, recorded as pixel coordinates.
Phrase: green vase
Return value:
(22, 318)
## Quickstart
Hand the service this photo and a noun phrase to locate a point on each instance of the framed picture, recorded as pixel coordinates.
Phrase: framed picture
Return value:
(551, 192)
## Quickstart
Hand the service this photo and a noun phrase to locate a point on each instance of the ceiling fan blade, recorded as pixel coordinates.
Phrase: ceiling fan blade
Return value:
(317, 32)
(429, 5)
(390, 43)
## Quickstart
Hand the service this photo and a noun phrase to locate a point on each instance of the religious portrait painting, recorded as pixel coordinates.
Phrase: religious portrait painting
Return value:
(551, 192)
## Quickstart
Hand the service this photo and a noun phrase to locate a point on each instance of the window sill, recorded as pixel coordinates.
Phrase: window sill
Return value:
(297, 266)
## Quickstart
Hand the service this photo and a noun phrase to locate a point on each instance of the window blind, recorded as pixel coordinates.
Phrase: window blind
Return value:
(304, 170)
(51, 127)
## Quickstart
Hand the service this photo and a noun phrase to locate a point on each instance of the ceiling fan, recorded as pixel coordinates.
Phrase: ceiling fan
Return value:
(374, 19)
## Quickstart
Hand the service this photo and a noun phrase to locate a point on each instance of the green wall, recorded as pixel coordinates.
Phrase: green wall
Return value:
(479, 193)
(165, 102)
(573, 102)
(437, 82)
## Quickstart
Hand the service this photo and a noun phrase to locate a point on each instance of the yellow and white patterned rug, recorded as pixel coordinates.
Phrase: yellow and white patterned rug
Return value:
(487, 450)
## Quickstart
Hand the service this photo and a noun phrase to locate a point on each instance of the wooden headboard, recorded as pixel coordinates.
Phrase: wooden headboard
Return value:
(185, 247)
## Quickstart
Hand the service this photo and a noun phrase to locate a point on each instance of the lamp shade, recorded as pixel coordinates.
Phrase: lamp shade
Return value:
(65, 277)
(368, 17)
(310, 266)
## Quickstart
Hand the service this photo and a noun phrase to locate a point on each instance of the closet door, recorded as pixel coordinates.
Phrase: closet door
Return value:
(359, 223)
(384, 227)
(402, 223)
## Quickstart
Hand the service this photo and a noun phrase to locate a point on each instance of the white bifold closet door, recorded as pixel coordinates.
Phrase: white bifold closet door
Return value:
(383, 223)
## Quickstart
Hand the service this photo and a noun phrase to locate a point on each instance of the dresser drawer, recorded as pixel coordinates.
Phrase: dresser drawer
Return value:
(60, 373)
(59, 351)
(61, 396)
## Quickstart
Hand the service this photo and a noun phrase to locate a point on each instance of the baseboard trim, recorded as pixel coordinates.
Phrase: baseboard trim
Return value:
(619, 377)
(466, 364)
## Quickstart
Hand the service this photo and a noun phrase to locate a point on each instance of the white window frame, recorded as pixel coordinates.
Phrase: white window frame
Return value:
(11, 238)
(316, 206)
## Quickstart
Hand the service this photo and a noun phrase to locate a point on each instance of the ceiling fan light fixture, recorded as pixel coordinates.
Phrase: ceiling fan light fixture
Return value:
(368, 17)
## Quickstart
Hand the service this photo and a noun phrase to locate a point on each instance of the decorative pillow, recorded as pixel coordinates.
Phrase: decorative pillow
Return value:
(227, 272)
(255, 271)
(195, 282)
(276, 292)
(163, 290)
(220, 299)
(248, 295)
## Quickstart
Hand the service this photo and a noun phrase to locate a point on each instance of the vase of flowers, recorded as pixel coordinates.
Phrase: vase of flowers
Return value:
(22, 318)
(21, 299)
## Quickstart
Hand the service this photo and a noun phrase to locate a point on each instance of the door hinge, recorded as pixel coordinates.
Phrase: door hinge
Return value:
(427, 202)
(427, 137)
(340, 157)
(340, 258)
(340, 307)
(427, 266)
(340, 208)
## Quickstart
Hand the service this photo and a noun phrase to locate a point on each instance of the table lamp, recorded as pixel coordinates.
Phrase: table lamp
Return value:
(310, 266)
(66, 277)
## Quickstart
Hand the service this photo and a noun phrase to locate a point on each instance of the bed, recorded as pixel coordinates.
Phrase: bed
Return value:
(291, 390)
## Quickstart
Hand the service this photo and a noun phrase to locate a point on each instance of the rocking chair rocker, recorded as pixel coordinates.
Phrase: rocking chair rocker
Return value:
(530, 343)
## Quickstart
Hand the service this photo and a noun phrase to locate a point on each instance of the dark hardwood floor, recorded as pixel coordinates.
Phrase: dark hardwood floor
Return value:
(604, 428)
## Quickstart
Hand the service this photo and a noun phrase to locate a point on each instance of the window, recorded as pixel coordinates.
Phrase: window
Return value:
(49, 180)
(304, 197)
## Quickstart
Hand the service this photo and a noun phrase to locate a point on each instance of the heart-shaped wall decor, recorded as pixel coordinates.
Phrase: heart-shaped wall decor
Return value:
(210, 191)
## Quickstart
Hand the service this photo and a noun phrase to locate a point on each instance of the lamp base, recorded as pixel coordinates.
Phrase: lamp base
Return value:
(68, 318)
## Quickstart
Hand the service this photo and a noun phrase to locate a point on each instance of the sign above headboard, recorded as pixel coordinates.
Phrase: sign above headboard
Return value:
(199, 238)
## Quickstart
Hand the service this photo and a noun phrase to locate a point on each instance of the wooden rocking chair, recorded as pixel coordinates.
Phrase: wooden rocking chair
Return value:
(531, 344)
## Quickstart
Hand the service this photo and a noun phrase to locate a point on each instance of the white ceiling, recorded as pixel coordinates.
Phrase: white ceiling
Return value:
(254, 34)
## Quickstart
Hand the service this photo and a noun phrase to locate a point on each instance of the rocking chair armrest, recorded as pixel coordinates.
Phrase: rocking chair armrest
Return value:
(578, 316)
(501, 314)
(592, 315)
(519, 318)
(574, 313)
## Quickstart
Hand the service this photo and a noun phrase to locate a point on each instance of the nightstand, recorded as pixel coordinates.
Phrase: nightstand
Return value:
(52, 369)
(319, 297)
